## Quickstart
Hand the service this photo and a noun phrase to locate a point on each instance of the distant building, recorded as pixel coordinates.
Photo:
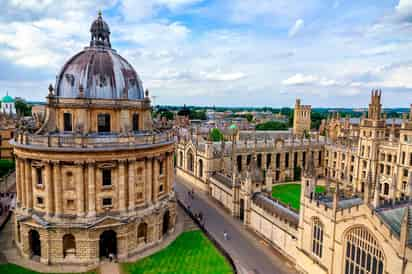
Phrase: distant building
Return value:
(8, 105)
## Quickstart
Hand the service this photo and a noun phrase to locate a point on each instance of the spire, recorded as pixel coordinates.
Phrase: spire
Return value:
(367, 186)
(406, 222)
(376, 196)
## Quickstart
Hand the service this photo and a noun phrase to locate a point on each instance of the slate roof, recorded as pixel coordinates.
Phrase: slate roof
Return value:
(274, 207)
(393, 218)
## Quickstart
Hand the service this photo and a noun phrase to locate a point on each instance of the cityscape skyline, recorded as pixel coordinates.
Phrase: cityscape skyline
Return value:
(206, 52)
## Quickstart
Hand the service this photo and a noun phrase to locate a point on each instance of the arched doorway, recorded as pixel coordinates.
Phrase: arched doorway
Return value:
(166, 222)
(108, 243)
(35, 243)
(69, 245)
(142, 233)
(190, 159)
(242, 209)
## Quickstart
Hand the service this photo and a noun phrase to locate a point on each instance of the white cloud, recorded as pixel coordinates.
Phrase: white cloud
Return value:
(221, 76)
(300, 79)
(296, 28)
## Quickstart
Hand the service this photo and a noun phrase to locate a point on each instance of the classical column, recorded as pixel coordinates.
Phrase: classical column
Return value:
(91, 188)
(58, 190)
(148, 181)
(122, 185)
(155, 180)
(132, 183)
(48, 187)
(80, 189)
(18, 181)
(28, 182)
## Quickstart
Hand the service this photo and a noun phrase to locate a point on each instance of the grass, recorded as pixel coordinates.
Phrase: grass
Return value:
(290, 194)
(191, 252)
(6, 166)
(15, 269)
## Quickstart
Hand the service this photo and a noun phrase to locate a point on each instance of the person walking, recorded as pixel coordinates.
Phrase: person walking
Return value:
(225, 235)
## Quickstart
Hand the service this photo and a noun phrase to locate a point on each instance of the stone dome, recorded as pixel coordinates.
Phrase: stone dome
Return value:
(98, 71)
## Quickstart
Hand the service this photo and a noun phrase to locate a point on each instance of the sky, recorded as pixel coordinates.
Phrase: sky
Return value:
(329, 53)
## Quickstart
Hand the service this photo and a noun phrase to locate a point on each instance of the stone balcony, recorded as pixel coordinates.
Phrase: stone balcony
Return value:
(91, 142)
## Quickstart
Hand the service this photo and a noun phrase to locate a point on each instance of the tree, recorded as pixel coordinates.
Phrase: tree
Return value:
(272, 125)
(249, 117)
(197, 115)
(22, 108)
(168, 114)
(216, 135)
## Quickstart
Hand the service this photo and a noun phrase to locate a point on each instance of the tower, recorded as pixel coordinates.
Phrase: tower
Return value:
(301, 118)
(371, 134)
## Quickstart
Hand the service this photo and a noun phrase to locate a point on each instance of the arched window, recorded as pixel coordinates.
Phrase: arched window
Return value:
(239, 163)
(142, 233)
(67, 121)
(200, 168)
(103, 122)
(181, 159)
(363, 253)
(190, 161)
(69, 245)
(386, 189)
(135, 121)
(317, 238)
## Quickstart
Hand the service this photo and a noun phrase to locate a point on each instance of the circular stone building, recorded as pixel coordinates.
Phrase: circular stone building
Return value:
(96, 178)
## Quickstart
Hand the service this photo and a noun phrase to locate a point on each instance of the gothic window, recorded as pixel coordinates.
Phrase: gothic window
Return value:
(190, 163)
(248, 160)
(142, 232)
(106, 177)
(181, 159)
(268, 160)
(67, 120)
(259, 160)
(287, 159)
(200, 168)
(277, 160)
(362, 253)
(386, 189)
(103, 122)
(317, 238)
(135, 122)
(239, 162)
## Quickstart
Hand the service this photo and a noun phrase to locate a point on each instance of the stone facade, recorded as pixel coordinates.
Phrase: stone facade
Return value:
(94, 179)
(362, 224)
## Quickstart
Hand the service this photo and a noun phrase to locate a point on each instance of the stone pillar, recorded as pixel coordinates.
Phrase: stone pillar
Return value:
(28, 182)
(48, 188)
(122, 185)
(148, 181)
(155, 180)
(18, 171)
(91, 188)
(80, 189)
(132, 184)
(169, 172)
(58, 189)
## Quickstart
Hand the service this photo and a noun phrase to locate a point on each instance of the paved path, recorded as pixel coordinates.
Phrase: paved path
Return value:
(247, 250)
(110, 268)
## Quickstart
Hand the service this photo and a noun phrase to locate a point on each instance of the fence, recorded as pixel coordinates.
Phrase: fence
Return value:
(209, 236)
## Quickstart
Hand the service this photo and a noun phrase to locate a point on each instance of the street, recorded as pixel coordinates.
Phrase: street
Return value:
(246, 249)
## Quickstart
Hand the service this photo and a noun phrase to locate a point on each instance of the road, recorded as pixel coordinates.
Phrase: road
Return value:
(247, 250)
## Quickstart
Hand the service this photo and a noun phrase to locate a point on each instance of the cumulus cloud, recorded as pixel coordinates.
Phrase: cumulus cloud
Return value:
(296, 27)
(302, 79)
(404, 10)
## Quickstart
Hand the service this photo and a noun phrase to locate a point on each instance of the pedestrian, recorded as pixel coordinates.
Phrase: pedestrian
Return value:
(225, 235)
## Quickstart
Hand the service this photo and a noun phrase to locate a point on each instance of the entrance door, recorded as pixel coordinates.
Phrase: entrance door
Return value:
(166, 221)
(242, 209)
(35, 244)
(108, 243)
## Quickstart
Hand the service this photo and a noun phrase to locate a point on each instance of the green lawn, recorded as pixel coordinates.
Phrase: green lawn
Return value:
(191, 252)
(15, 269)
(290, 194)
(6, 166)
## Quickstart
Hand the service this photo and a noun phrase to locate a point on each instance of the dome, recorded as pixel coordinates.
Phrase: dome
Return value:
(7, 99)
(98, 71)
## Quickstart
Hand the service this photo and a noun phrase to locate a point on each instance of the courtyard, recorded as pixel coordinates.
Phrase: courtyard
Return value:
(289, 194)
(15, 269)
(191, 252)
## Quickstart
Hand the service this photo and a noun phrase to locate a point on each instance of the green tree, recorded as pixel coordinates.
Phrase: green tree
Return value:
(272, 125)
(168, 114)
(249, 117)
(216, 135)
(22, 108)
(197, 115)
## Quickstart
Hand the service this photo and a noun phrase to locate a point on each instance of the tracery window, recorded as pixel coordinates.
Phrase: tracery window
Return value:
(362, 253)
(317, 238)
